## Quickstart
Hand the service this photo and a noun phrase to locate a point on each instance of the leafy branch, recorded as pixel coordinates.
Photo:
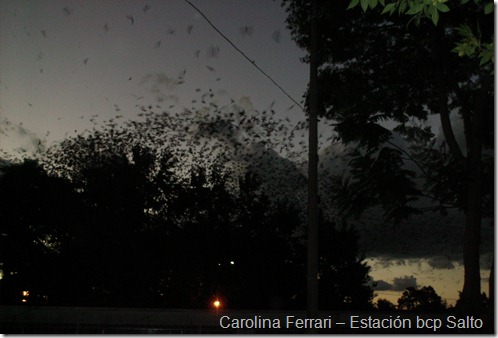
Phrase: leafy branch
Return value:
(470, 44)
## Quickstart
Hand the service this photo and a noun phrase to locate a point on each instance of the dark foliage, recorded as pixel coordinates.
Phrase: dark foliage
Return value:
(384, 305)
(344, 279)
(378, 71)
(120, 226)
(424, 299)
(382, 76)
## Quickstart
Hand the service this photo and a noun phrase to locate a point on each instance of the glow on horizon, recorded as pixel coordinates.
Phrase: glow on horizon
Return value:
(446, 282)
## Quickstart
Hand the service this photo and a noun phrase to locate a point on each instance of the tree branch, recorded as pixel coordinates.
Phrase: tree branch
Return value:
(410, 157)
(449, 136)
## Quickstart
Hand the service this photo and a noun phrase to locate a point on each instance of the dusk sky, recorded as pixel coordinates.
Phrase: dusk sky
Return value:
(62, 62)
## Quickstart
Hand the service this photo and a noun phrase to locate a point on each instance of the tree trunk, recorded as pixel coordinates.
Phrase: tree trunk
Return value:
(470, 300)
(312, 278)
(471, 294)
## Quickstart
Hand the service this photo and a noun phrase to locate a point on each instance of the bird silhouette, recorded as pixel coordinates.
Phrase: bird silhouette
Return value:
(276, 36)
(246, 30)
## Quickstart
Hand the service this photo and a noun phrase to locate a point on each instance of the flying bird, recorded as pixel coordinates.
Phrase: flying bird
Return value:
(146, 8)
(132, 20)
(158, 44)
(276, 36)
(67, 11)
(246, 30)
(213, 51)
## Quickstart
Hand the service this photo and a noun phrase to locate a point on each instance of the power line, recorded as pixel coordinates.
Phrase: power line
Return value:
(244, 55)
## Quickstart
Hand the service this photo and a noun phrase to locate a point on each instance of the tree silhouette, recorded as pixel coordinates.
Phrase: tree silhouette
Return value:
(423, 299)
(179, 209)
(38, 213)
(384, 305)
(378, 71)
(343, 282)
(119, 249)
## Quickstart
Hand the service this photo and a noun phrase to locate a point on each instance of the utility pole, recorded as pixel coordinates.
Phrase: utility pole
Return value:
(312, 278)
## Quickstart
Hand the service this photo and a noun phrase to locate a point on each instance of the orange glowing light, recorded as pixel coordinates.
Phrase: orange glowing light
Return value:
(25, 293)
(216, 303)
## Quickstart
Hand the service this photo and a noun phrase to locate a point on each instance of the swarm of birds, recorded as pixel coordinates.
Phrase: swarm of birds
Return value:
(208, 133)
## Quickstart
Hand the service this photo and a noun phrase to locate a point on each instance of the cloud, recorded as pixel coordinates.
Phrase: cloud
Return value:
(398, 284)
(15, 138)
(389, 261)
(428, 236)
(384, 262)
(381, 285)
(487, 260)
(161, 85)
(246, 104)
(401, 283)
(440, 262)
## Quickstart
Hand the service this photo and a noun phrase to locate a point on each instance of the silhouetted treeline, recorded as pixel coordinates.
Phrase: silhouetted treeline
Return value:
(123, 228)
